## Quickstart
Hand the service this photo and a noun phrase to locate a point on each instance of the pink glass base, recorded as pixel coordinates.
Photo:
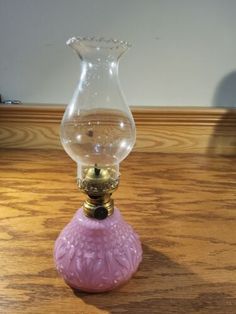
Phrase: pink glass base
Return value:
(97, 255)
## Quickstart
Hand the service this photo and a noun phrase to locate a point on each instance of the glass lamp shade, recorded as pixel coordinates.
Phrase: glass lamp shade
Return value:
(98, 127)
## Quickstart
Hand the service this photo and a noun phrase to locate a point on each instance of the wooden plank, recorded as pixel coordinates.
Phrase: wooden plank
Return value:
(181, 205)
(167, 130)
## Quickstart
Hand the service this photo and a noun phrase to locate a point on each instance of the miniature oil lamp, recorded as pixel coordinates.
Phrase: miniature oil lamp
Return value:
(97, 251)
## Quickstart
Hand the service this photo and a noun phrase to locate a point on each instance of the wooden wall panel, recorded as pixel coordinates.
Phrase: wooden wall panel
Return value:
(167, 130)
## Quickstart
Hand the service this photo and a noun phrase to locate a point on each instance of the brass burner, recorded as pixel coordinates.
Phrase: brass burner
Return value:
(98, 184)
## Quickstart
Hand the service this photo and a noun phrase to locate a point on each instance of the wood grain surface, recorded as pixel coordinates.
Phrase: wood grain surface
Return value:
(159, 129)
(182, 206)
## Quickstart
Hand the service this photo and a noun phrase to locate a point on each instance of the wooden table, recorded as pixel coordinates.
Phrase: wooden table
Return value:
(183, 207)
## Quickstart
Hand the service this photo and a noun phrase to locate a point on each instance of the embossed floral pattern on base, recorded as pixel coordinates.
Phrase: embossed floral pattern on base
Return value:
(95, 256)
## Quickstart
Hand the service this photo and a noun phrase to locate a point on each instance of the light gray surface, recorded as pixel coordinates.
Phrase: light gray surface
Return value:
(184, 51)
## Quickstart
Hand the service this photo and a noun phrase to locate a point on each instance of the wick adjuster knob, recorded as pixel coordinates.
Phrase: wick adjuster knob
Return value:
(100, 212)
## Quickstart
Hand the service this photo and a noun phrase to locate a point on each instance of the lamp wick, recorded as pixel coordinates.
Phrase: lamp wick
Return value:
(96, 170)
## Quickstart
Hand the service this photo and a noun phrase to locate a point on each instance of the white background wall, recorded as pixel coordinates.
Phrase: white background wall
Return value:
(184, 51)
